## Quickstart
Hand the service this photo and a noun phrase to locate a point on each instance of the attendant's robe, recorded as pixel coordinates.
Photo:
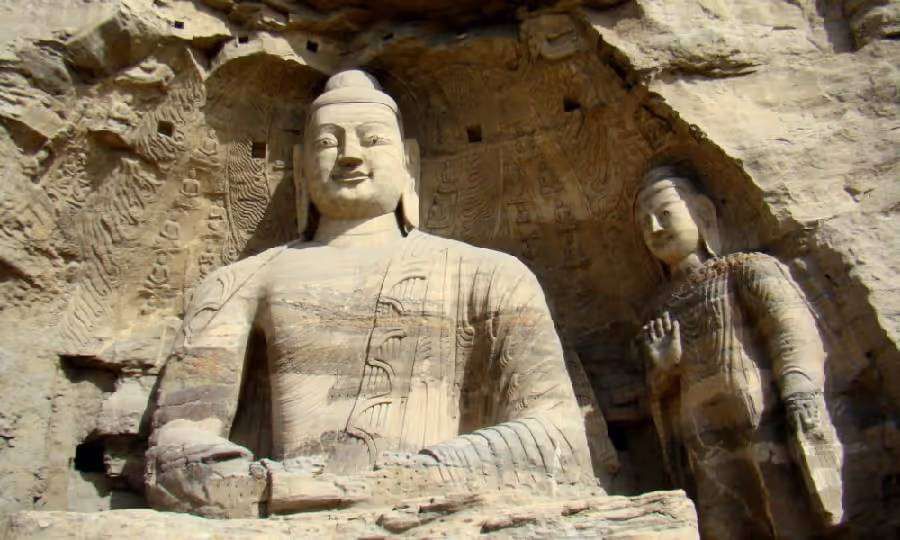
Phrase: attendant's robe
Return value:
(748, 339)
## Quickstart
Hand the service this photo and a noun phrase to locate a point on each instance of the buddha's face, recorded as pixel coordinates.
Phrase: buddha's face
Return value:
(355, 161)
(664, 217)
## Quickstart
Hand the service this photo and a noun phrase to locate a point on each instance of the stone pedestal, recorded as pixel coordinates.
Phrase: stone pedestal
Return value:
(660, 514)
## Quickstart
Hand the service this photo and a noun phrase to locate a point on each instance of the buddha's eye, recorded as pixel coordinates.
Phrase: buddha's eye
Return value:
(375, 139)
(326, 141)
(666, 213)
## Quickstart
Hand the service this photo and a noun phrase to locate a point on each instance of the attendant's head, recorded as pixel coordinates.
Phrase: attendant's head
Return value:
(355, 163)
(675, 219)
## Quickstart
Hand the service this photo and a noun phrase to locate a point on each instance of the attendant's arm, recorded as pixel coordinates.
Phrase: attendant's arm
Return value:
(539, 428)
(786, 326)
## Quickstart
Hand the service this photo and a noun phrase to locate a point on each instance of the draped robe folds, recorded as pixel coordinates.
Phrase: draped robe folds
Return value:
(748, 341)
(428, 345)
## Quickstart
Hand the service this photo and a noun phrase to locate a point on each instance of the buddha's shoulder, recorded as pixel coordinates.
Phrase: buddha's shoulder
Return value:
(240, 273)
(468, 253)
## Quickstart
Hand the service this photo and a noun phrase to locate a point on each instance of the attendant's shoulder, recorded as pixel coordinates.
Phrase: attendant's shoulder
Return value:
(755, 263)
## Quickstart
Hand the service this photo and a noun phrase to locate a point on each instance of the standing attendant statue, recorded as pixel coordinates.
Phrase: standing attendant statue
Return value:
(735, 370)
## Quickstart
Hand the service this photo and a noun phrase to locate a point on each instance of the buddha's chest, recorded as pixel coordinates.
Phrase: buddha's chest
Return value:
(317, 317)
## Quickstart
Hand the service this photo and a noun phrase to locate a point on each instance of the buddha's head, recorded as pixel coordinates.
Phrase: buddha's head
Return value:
(355, 163)
(675, 219)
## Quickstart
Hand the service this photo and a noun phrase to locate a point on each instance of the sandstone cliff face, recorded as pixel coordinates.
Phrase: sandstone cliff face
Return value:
(146, 143)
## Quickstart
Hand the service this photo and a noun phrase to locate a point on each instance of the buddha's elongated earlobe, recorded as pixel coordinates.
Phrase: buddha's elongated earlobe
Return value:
(707, 222)
(409, 200)
(301, 196)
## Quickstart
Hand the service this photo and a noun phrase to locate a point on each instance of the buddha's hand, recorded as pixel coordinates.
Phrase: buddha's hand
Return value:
(407, 460)
(190, 469)
(802, 411)
(180, 443)
(661, 341)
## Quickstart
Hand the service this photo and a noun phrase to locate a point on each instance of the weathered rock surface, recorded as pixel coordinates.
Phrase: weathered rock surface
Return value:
(146, 143)
(668, 515)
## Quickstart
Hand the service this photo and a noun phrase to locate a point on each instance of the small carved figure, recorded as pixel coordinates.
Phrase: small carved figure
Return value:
(215, 220)
(207, 153)
(159, 275)
(734, 360)
(171, 231)
(190, 186)
(156, 284)
(206, 262)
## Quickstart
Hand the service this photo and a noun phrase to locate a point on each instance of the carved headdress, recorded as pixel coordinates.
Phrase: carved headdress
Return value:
(357, 86)
(700, 206)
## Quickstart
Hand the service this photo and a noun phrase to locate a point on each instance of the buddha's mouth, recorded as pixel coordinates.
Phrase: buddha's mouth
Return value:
(350, 179)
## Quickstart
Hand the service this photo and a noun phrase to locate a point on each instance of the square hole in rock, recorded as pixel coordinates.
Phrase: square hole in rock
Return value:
(258, 150)
(473, 133)
(570, 105)
(312, 46)
(243, 39)
(164, 127)
(178, 24)
(89, 456)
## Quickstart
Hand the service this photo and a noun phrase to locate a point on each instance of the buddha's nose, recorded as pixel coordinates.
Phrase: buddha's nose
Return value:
(351, 153)
(655, 225)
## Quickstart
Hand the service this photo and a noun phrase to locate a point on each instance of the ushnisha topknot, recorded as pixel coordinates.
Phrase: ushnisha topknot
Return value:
(664, 176)
(353, 86)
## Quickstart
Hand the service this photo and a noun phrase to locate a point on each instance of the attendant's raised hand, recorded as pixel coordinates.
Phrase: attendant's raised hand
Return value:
(661, 341)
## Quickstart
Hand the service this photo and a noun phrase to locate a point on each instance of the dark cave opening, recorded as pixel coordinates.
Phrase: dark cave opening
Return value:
(89, 456)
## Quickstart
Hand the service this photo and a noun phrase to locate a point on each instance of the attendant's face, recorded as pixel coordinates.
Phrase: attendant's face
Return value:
(355, 160)
(666, 223)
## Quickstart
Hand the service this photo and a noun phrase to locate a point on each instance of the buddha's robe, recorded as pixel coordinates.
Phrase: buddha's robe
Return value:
(426, 344)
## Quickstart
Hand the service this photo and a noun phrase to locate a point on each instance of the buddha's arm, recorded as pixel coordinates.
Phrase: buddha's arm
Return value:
(785, 324)
(199, 390)
(539, 428)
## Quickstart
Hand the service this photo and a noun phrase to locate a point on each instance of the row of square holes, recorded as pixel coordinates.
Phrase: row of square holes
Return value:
(258, 149)
(473, 133)
(569, 104)
(311, 46)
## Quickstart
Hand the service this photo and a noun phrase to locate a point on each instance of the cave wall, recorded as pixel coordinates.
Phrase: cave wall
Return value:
(146, 143)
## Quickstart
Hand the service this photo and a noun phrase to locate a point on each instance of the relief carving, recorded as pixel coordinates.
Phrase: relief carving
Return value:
(121, 206)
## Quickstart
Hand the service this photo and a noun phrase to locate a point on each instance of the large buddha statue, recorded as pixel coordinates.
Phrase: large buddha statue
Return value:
(386, 348)
(735, 371)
